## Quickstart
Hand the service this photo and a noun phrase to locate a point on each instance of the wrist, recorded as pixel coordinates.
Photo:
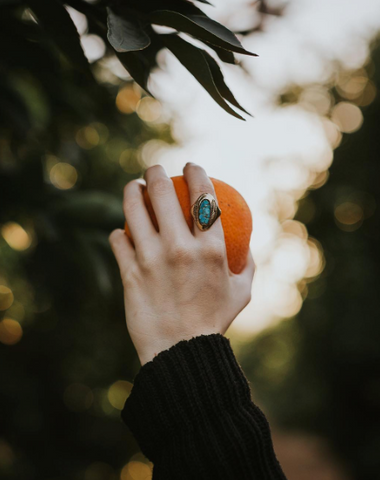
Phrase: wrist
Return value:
(148, 353)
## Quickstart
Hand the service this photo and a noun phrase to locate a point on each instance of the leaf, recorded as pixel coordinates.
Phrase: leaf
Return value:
(196, 62)
(221, 84)
(126, 35)
(88, 209)
(58, 24)
(13, 109)
(200, 27)
(140, 64)
(137, 66)
(225, 55)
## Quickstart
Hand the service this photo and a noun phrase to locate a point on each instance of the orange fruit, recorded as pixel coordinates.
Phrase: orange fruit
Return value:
(236, 218)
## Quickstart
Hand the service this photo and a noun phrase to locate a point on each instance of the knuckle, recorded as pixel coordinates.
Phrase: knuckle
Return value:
(160, 186)
(215, 253)
(132, 205)
(180, 254)
(131, 276)
(204, 187)
(147, 260)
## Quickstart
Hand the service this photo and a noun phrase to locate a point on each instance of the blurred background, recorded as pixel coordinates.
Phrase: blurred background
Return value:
(308, 165)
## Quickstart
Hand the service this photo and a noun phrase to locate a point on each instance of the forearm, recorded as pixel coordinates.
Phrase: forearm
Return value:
(192, 414)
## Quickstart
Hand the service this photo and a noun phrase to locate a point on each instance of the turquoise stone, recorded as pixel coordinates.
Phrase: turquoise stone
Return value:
(205, 212)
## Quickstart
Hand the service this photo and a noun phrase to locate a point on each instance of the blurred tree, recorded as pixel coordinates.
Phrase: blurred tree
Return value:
(320, 371)
(66, 153)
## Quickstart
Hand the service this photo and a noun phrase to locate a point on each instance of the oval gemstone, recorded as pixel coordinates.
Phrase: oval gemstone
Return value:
(205, 212)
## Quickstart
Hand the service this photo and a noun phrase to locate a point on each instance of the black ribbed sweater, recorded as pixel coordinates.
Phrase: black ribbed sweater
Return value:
(191, 412)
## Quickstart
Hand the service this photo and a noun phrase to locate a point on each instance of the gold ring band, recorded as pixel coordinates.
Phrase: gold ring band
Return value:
(205, 211)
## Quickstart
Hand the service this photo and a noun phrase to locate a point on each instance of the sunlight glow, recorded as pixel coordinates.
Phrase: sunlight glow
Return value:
(274, 159)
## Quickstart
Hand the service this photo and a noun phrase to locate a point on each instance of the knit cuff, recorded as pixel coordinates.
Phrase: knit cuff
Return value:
(183, 388)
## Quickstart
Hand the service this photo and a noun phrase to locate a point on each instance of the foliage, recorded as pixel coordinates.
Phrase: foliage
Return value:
(126, 26)
(66, 153)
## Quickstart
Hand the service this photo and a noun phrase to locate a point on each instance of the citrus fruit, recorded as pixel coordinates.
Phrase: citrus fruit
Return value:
(236, 218)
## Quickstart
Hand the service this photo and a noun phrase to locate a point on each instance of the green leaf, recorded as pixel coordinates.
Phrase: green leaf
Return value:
(57, 22)
(89, 209)
(200, 27)
(225, 55)
(126, 35)
(137, 66)
(197, 63)
(221, 84)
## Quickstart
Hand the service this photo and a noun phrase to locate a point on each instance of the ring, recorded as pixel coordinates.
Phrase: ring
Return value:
(205, 211)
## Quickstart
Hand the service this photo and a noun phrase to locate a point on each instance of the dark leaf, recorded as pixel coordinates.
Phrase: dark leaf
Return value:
(88, 210)
(149, 6)
(221, 84)
(13, 110)
(225, 55)
(196, 61)
(93, 12)
(205, 1)
(126, 35)
(58, 24)
(200, 27)
(137, 66)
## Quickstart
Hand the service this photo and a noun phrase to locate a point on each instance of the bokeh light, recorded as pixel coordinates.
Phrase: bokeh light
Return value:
(87, 137)
(129, 161)
(118, 393)
(6, 297)
(316, 258)
(127, 99)
(347, 116)
(93, 46)
(349, 216)
(136, 470)
(10, 331)
(149, 109)
(16, 236)
(63, 176)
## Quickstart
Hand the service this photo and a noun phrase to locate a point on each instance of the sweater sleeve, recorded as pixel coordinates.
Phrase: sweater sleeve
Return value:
(191, 412)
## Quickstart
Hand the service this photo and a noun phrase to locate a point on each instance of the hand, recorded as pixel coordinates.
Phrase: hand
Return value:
(177, 284)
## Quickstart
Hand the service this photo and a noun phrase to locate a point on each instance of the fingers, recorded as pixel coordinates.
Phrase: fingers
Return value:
(198, 183)
(136, 214)
(170, 218)
(122, 249)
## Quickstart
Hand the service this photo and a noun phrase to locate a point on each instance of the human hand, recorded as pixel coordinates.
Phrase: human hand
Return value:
(177, 283)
